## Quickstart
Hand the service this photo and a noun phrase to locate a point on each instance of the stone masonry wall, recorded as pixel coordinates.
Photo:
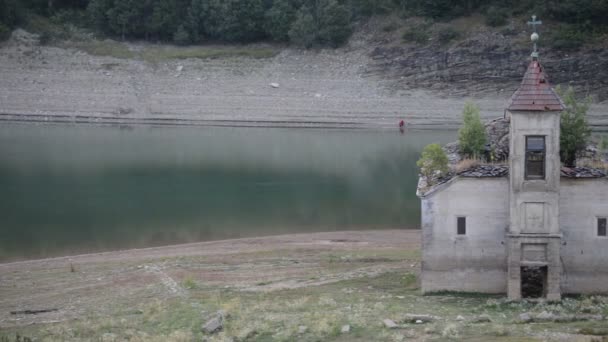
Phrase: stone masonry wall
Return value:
(584, 254)
(477, 261)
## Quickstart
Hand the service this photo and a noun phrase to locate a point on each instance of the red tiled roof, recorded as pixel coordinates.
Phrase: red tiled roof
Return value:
(535, 93)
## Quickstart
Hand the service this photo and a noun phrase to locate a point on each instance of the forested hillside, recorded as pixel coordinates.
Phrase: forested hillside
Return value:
(301, 22)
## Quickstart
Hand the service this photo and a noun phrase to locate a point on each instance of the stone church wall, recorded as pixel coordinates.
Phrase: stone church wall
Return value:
(477, 260)
(584, 253)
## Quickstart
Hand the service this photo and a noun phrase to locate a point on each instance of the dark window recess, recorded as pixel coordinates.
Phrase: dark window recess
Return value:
(535, 157)
(601, 226)
(462, 226)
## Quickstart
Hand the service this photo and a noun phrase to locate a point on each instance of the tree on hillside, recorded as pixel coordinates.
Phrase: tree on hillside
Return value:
(303, 31)
(125, 18)
(472, 134)
(10, 13)
(164, 20)
(97, 11)
(279, 19)
(334, 23)
(195, 20)
(574, 128)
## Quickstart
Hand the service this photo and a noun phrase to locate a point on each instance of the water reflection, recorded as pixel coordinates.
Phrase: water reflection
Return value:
(72, 189)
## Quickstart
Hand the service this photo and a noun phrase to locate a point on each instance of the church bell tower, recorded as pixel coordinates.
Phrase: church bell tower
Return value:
(534, 237)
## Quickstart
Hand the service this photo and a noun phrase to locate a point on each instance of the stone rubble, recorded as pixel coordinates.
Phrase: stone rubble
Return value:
(486, 171)
(582, 172)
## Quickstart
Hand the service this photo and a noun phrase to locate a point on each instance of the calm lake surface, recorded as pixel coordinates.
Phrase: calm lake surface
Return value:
(68, 189)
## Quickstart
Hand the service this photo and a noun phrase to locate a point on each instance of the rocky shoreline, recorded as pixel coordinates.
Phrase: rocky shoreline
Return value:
(295, 88)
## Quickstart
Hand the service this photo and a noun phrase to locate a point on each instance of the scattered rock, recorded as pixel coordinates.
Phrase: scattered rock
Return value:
(22, 37)
(544, 316)
(418, 321)
(525, 317)
(302, 329)
(345, 329)
(124, 111)
(389, 324)
(215, 324)
(274, 85)
(481, 319)
(317, 95)
(179, 68)
(109, 337)
(413, 318)
(459, 318)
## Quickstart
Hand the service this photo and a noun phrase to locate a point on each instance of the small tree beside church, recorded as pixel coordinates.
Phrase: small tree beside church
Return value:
(472, 134)
(433, 162)
(574, 128)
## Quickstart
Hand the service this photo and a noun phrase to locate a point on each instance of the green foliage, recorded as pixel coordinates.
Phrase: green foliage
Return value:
(195, 20)
(433, 162)
(568, 37)
(496, 16)
(236, 20)
(181, 36)
(448, 34)
(364, 8)
(97, 12)
(416, 35)
(305, 22)
(10, 13)
(472, 134)
(303, 31)
(334, 23)
(279, 19)
(5, 32)
(604, 144)
(574, 128)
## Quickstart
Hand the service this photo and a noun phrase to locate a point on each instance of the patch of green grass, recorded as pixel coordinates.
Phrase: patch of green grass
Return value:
(189, 283)
(108, 48)
(594, 331)
(156, 54)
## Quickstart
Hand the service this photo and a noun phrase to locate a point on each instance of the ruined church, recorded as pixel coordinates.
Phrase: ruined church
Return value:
(528, 228)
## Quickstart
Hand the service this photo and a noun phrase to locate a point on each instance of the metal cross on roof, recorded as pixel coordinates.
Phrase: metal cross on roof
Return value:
(534, 37)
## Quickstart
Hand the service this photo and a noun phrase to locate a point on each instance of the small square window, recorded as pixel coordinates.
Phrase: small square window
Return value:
(462, 226)
(601, 226)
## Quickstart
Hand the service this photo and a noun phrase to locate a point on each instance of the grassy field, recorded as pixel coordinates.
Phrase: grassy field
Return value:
(274, 293)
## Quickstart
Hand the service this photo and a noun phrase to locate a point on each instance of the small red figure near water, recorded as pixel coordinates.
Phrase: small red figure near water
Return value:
(401, 126)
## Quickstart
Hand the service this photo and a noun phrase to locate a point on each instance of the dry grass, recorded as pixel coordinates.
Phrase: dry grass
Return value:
(595, 164)
(466, 164)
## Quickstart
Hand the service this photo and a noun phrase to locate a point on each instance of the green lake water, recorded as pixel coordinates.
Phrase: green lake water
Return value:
(68, 189)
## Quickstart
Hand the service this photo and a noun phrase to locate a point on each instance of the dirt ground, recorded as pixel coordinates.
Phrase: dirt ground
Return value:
(339, 286)
(85, 284)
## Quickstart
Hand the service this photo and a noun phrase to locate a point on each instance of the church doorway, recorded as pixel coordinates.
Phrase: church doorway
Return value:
(534, 281)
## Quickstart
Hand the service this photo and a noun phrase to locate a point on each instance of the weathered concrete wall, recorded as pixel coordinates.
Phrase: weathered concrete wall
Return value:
(477, 261)
(584, 254)
(524, 191)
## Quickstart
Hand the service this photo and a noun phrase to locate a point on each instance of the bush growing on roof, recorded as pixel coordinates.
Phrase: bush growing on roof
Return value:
(433, 162)
(574, 129)
(472, 134)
